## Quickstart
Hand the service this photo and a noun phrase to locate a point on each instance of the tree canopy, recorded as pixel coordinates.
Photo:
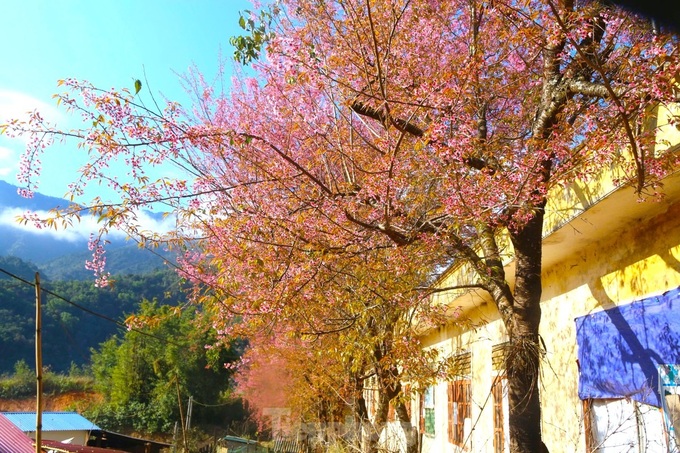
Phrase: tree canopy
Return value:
(409, 133)
(146, 380)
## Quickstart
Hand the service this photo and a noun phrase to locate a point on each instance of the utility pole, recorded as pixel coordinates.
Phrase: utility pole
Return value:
(181, 417)
(190, 408)
(38, 366)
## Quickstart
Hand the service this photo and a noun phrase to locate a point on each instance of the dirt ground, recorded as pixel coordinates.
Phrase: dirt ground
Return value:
(75, 401)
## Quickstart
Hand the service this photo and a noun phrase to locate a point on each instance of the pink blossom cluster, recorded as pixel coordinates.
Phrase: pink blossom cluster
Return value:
(98, 262)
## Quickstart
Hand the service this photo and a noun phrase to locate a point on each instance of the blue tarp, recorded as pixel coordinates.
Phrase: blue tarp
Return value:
(619, 349)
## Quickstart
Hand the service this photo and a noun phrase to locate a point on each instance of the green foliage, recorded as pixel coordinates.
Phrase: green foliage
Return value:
(22, 384)
(69, 332)
(120, 261)
(57, 383)
(17, 267)
(247, 48)
(144, 379)
(134, 416)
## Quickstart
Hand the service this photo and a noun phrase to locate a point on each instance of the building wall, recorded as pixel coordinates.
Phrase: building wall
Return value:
(640, 260)
(451, 340)
(79, 437)
(628, 261)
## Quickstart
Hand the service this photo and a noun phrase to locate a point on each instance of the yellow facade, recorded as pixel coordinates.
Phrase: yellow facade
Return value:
(602, 248)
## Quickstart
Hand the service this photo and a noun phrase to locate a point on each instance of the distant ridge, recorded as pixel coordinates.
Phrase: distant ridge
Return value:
(62, 259)
(9, 197)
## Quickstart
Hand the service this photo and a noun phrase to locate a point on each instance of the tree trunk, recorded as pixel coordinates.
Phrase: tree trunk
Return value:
(524, 353)
(360, 412)
(407, 427)
(370, 432)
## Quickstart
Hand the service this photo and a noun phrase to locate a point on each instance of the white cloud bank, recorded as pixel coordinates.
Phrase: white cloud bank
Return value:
(82, 230)
(14, 104)
(8, 161)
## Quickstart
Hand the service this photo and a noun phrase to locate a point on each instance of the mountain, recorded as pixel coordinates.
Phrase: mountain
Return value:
(61, 255)
(9, 197)
(76, 315)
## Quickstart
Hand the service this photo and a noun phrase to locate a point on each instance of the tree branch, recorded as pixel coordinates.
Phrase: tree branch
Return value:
(399, 237)
(592, 89)
(407, 127)
(381, 116)
(431, 290)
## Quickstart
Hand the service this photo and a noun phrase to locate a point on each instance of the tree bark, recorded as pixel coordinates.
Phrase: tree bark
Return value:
(371, 430)
(524, 353)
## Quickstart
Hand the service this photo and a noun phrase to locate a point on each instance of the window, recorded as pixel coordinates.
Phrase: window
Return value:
(669, 385)
(459, 410)
(499, 390)
(613, 423)
(610, 423)
(427, 414)
(460, 399)
(500, 397)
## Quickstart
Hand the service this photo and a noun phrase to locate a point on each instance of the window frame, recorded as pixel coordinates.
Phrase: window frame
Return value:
(427, 411)
(460, 406)
(499, 392)
(459, 395)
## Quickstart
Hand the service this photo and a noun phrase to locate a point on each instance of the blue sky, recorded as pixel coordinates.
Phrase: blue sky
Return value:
(109, 43)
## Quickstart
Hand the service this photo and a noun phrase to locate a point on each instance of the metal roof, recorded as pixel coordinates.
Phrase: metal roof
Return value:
(51, 421)
(52, 445)
(12, 439)
(123, 442)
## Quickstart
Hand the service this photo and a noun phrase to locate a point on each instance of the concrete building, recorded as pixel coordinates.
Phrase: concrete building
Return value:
(610, 327)
(58, 426)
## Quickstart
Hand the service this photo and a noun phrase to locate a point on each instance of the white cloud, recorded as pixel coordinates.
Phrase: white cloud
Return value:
(7, 161)
(80, 231)
(149, 223)
(15, 104)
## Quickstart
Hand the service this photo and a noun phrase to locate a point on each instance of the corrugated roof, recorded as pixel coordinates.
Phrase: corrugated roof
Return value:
(70, 448)
(12, 439)
(51, 421)
(121, 441)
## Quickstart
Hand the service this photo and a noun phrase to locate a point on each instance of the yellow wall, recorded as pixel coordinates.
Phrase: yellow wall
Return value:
(478, 341)
(631, 261)
(640, 260)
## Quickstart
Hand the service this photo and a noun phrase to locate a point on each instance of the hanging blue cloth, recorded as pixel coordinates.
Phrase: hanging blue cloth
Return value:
(619, 349)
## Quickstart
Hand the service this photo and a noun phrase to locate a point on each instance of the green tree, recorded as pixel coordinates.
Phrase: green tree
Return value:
(150, 371)
(70, 331)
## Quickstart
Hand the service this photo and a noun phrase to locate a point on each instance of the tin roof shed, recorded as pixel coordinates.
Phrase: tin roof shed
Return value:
(58, 447)
(51, 421)
(12, 439)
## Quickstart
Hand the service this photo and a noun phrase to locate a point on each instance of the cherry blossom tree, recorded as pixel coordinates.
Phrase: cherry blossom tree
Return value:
(295, 374)
(407, 132)
(350, 321)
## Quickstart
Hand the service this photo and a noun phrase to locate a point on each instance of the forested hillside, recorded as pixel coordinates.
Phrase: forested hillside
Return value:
(63, 256)
(69, 330)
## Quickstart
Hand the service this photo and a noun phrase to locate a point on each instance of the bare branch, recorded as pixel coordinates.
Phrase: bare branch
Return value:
(593, 89)
(381, 116)
(435, 290)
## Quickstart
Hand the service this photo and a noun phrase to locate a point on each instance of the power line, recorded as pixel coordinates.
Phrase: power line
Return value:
(87, 310)
(212, 405)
